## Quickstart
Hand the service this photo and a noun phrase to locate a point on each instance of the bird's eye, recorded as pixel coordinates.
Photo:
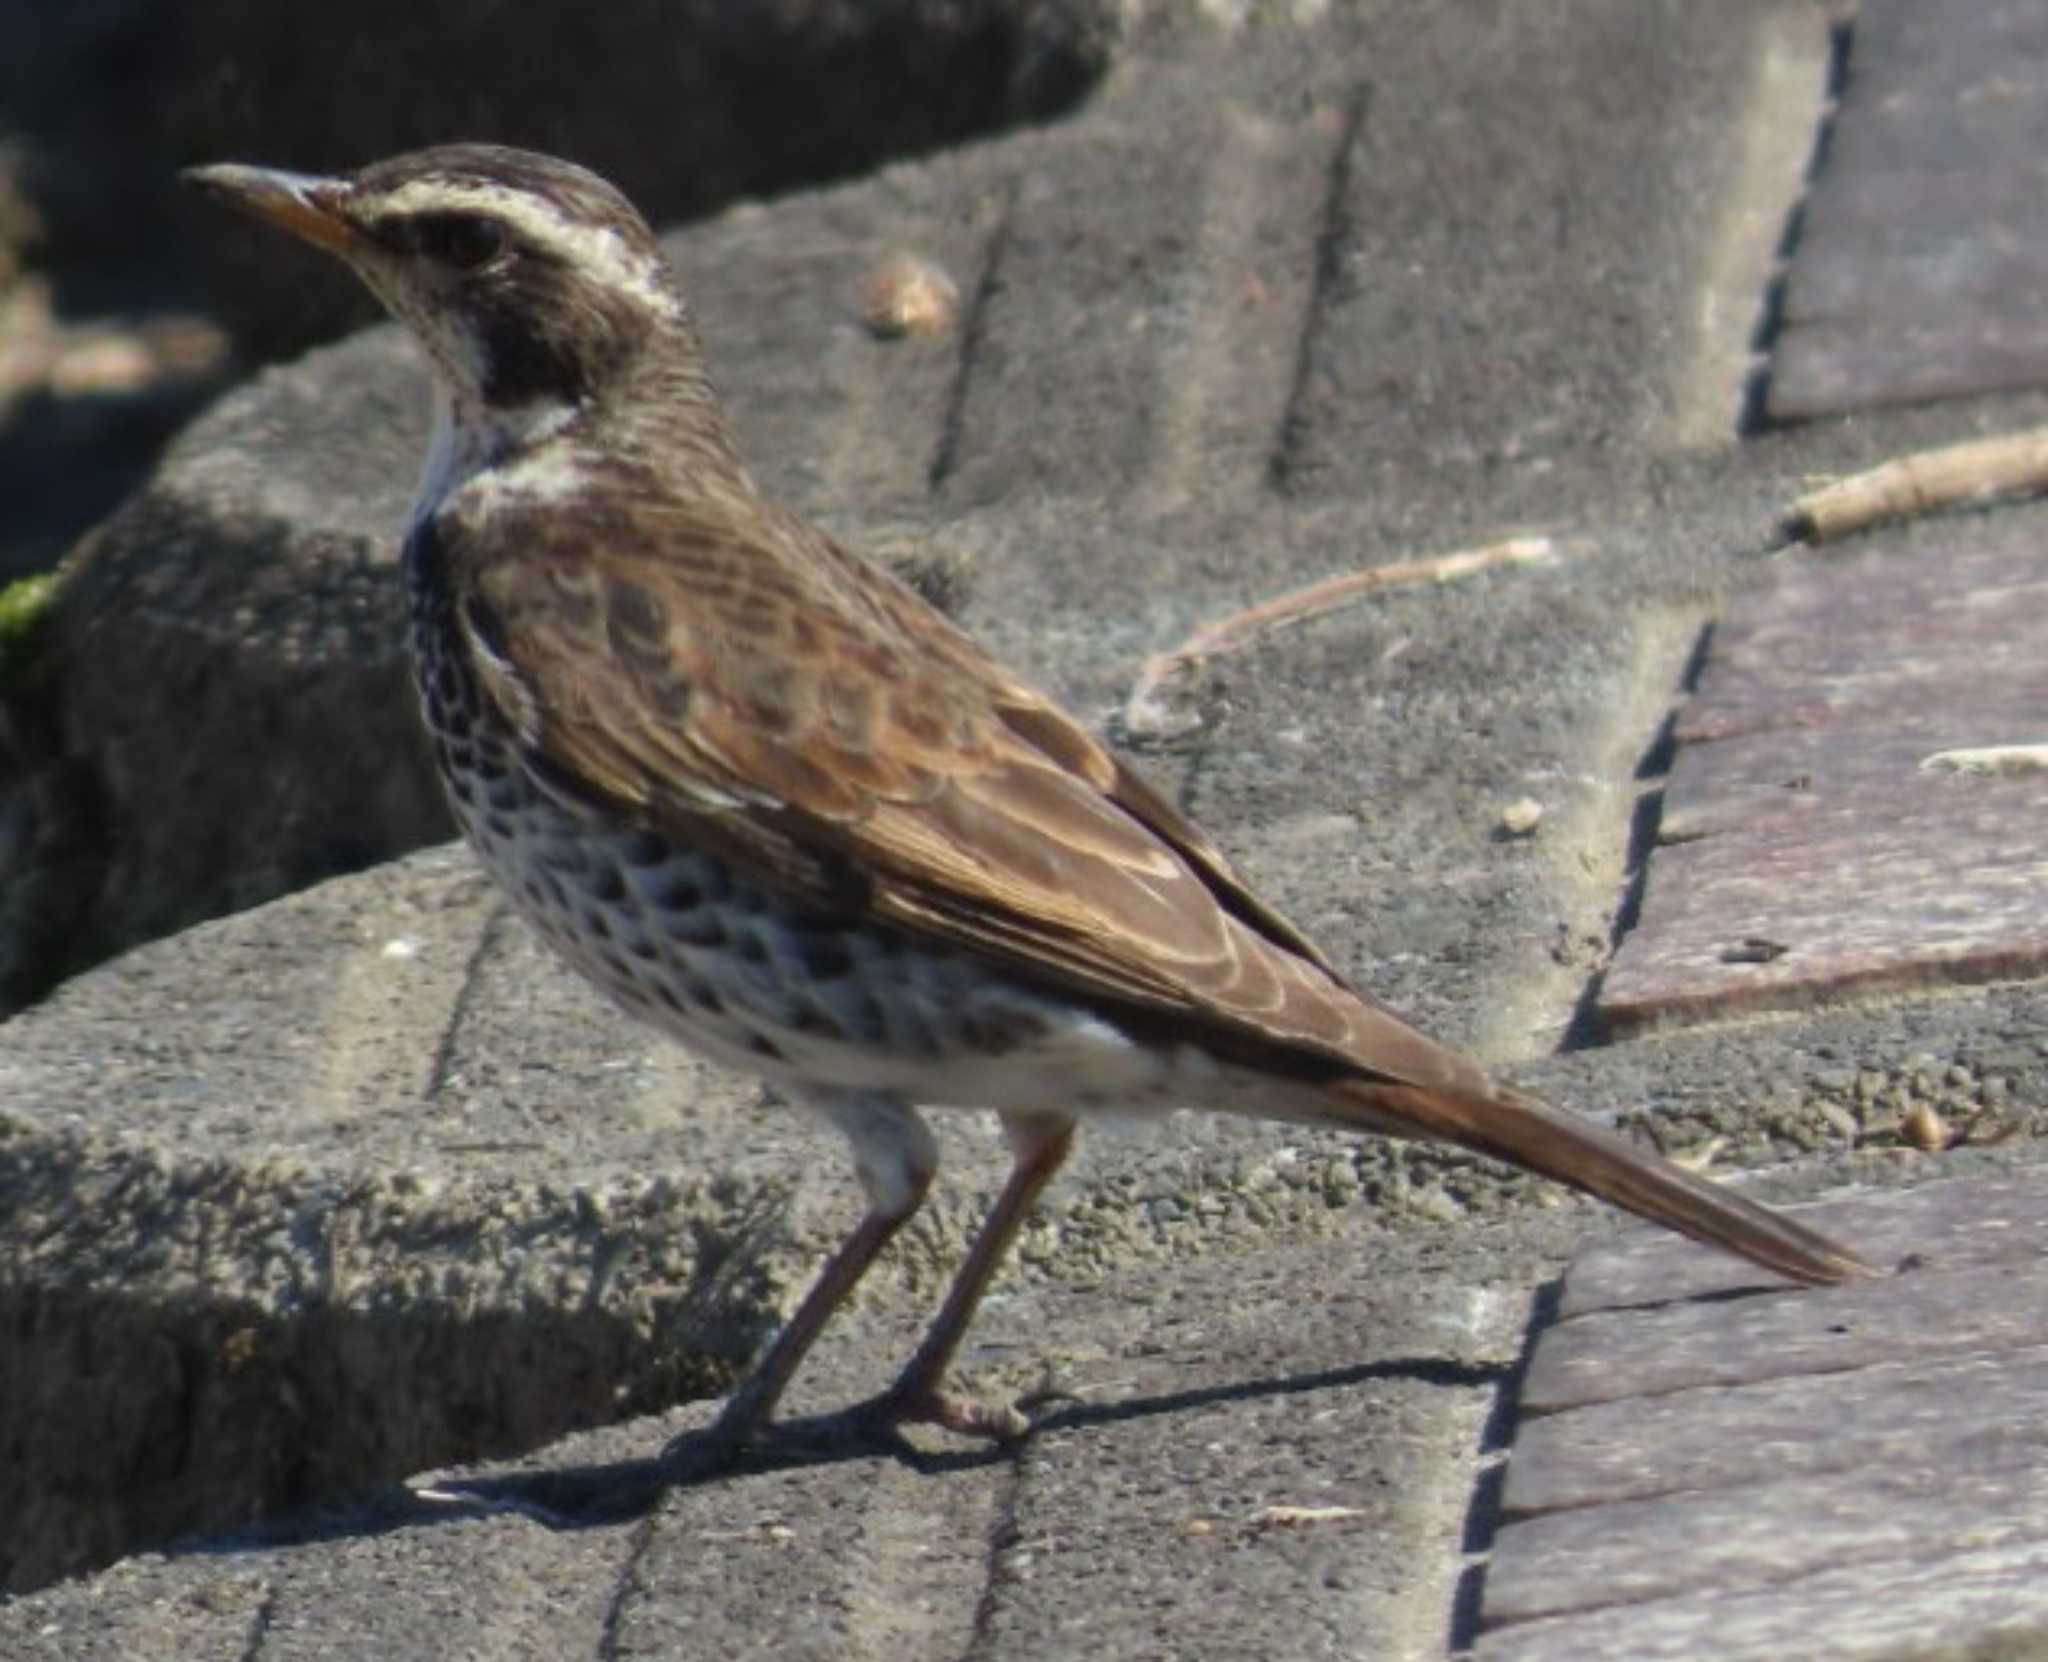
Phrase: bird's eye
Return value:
(464, 241)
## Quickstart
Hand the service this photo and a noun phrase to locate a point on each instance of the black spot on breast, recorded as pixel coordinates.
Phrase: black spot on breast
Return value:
(447, 689)
(824, 957)
(866, 1021)
(641, 849)
(999, 1029)
(761, 1045)
(701, 928)
(912, 1033)
(808, 1018)
(676, 893)
(565, 855)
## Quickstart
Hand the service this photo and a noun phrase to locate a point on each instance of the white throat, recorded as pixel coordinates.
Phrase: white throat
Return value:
(468, 441)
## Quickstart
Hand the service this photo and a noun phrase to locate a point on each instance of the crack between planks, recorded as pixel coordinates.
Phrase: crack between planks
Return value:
(1004, 1532)
(973, 330)
(1754, 415)
(487, 938)
(627, 1587)
(1329, 259)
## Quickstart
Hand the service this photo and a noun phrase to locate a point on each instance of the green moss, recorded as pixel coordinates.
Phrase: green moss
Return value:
(23, 606)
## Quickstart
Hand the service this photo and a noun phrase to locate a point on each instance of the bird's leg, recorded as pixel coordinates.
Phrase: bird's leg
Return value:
(895, 1157)
(752, 1403)
(586, 1496)
(1039, 1143)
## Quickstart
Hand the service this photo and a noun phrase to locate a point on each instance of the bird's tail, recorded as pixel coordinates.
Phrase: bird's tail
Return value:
(1589, 1157)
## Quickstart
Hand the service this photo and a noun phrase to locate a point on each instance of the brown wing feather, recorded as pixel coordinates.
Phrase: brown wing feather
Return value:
(803, 712)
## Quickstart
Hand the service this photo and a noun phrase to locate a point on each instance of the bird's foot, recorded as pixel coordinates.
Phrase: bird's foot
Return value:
(913, 1401)
(964, 1416)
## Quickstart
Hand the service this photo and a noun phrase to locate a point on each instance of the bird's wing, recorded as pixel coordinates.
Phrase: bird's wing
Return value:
(764, 694)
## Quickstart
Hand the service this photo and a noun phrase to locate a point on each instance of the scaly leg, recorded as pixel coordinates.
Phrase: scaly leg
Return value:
(1039, 1144)
(895, 1157)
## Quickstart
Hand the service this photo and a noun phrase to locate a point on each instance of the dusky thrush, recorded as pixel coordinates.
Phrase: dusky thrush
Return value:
(780, 809)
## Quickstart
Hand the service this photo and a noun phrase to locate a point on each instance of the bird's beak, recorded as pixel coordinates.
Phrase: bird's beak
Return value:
(305, 204)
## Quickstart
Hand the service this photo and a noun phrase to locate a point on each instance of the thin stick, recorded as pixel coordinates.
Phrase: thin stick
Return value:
(1923, 483)
(1989, 759)
(1147, 712)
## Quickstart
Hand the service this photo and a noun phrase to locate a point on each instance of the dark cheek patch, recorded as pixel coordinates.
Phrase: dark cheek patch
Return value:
(523, 366)
(541, 343)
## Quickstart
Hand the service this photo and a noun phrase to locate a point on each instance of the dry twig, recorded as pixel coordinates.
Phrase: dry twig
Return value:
(1297, 1517)
(1924, 483)
(1148, 712)
(2004, 759)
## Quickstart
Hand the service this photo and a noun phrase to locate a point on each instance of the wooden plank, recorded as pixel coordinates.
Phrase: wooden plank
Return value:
(1921, 1503)
(1680, 1347)
(1741, 1437)
(1987, 1604)
(1804, 852)
(1977, 1223)
(1849, 1473)
(1913, 278)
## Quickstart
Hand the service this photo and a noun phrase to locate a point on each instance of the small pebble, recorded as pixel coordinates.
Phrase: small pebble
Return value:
(905, 295)
(1926, 1130)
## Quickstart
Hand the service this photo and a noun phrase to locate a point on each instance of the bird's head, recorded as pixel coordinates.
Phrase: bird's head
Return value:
(532, 283)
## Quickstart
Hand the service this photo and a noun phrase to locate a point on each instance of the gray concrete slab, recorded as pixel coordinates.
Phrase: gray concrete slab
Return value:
(1173, 1476)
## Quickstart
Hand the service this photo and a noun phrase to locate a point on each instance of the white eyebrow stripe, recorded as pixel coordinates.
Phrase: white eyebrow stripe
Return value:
(594, 248)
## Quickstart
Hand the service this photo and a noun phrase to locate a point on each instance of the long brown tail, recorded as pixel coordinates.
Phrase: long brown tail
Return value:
(1531, 1134)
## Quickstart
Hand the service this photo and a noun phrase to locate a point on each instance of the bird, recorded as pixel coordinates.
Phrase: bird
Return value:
(780, 809)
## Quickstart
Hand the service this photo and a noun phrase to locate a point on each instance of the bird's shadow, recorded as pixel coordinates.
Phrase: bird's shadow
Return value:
(578, 1497)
